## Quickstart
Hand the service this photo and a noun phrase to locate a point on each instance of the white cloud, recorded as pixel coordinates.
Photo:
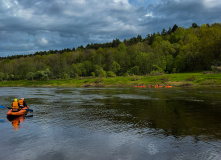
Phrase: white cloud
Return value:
(44, 41)
(149, 14)
(211, 3)
(7, 3)
(121, 1)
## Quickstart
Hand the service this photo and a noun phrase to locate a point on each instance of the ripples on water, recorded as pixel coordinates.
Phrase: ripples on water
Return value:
(111, 123)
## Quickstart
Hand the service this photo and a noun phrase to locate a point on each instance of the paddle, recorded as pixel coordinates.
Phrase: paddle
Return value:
(30, 110)
(2, 106)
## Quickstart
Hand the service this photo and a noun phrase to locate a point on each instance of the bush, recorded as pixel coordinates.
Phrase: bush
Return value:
(64, 76)
(126, 74)
(216, 69)
(174, 70)
(30, 76)
(92, 74)
(2, 75)
(111, 74)
(98, 81)
(134, 70)
(100, 72)
(103, 74)
(11, 77)
(164, 78)
(42, 74)
(191, 78)
(155, 73)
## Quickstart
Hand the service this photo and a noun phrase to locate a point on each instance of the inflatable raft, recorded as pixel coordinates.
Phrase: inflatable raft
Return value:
(20, 112)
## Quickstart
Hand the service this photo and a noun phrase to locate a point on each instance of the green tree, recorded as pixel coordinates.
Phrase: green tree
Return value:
(2, 76)
(75, 72)
(179, 63)
(25, 67)
(134, 70)
(143, 60)
(99, 71)
(164, 32)
(111, 74)
(30, 76)
(115, 67)
(169, 63)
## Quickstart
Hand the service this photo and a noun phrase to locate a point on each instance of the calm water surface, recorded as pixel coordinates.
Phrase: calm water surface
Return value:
(113, 124)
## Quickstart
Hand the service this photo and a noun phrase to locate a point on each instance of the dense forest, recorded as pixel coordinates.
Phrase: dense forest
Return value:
(177, 49)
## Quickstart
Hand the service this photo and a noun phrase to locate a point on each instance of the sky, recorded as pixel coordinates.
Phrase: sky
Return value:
(28, 26)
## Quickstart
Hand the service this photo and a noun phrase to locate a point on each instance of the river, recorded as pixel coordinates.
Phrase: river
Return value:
(112, 124)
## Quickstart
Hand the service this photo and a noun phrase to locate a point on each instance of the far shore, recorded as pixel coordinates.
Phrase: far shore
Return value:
(176, 80)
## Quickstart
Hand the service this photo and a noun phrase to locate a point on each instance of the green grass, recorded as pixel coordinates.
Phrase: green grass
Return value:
(178, 79)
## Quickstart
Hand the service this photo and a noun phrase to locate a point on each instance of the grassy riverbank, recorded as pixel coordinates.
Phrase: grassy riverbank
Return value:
(178, 79)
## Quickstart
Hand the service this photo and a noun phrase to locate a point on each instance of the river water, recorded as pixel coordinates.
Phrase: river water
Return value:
(112, 124)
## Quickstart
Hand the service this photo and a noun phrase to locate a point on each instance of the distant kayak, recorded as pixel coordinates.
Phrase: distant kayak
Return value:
(22, 111)
(158, 86)
(140, 86)
(168, 86)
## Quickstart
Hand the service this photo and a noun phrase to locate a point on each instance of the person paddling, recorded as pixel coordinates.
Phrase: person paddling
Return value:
(15, 105)
(22, 103)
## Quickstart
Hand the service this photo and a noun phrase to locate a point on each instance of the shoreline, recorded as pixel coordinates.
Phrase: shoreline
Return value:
(177, 80)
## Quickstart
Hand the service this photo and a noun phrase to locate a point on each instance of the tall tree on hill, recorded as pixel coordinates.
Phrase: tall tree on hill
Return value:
(139, 38)
(175, 27)
(194, 25)
(164, 32)
(169, 30)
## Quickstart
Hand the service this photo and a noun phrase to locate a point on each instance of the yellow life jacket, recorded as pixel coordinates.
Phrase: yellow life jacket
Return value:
(21, 102)
(15, 105)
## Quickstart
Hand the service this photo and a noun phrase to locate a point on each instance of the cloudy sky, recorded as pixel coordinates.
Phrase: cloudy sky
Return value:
(27, 26)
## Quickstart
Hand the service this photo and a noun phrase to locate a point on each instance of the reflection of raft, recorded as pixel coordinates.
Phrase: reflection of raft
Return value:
(22, 111)
(16, 120)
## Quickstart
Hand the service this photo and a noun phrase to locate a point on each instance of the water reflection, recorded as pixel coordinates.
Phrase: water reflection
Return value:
(176, 113)
(115, 123)
(180, 113)
(16, 121)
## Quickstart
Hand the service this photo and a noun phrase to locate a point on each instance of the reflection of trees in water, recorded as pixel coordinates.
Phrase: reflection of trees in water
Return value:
(168, 112)
(167, 116)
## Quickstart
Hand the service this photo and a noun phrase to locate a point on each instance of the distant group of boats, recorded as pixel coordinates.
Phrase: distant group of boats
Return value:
(154, 86)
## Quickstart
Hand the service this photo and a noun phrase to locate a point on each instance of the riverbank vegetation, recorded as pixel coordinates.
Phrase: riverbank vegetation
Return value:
(176, 79)
(137, 60)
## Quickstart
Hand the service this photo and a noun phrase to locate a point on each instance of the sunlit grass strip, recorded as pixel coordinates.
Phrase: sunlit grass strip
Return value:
(178, 79)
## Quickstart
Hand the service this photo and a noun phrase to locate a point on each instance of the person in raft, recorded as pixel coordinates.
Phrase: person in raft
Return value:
(15, 105)
(22, 103)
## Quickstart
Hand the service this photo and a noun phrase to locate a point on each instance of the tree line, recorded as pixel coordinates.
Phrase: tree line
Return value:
(177, 49)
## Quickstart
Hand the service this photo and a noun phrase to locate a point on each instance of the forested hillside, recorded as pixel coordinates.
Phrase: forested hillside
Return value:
(177, 49)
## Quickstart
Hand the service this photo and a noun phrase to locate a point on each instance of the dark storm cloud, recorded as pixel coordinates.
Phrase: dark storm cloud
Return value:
(183, 13)
(29, 26)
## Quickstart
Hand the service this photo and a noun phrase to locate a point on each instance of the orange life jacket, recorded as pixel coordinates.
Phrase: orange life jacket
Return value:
(15, 105)
(21, 102)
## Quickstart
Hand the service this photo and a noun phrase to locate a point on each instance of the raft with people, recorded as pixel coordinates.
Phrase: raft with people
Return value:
(154, 86)
(140, 86)
(168, 86)
(19, 112)
(18, 108)
(158, 86)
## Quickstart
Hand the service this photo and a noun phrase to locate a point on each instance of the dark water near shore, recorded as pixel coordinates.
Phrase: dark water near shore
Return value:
(113, 124)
